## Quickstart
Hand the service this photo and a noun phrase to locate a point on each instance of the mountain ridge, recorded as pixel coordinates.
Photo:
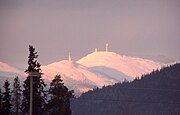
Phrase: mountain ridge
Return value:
(97, 69)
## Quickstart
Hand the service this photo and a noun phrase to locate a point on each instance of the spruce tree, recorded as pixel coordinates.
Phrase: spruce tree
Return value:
(6, 105)
(59, 102)
(39, 93)
(16, 97)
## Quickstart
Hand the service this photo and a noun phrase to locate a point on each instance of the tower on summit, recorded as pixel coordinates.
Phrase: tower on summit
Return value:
(96, 49)
(106, 47)
(69, 57)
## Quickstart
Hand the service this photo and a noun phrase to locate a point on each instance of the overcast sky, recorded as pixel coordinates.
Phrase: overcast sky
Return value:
(143, 28)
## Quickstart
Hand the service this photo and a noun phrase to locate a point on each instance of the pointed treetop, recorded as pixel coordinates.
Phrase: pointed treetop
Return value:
(33, 65)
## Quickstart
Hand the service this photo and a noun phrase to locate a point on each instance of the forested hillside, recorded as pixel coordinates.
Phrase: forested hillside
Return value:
(157, 93)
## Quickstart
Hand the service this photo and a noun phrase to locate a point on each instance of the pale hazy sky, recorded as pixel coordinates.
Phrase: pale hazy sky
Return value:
(143, 28)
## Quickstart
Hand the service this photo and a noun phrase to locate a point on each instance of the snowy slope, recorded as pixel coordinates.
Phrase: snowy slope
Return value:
(8, 72)
(7, 68)
(110, 73)
(130, 66)
(75, 76)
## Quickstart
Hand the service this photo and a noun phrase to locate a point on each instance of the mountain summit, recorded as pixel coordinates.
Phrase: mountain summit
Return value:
(130, 66)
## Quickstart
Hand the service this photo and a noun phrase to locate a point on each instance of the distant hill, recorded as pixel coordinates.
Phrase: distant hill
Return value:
(75, 76)
(8, 69)
(8, 72)
(98, 69)
(129, 66)
(156, 93)
(94, 70)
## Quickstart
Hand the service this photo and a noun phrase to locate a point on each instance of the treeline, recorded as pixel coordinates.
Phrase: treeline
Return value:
(56, 100)
(52, 101)
(156, 93)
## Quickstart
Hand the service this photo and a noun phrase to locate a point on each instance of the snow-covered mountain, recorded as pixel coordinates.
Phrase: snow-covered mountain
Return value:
(8, 72)
(75, 76)
(130, 66)
(8, 69)
(94, 70)
(98, 69)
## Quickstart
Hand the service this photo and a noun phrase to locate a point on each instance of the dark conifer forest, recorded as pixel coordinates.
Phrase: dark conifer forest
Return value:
(156, 93)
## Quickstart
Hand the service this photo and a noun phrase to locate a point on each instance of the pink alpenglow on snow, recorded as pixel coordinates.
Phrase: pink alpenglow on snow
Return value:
(130, 66)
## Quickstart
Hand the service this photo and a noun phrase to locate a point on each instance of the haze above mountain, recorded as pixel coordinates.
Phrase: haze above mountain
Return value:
(94, 70)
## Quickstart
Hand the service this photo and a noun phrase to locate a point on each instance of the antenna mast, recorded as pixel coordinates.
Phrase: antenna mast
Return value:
(69, 57)
(106, 47)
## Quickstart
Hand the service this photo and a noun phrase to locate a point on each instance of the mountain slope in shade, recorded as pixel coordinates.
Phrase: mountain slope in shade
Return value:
(110, 73)
(75, 76)
(130, 66)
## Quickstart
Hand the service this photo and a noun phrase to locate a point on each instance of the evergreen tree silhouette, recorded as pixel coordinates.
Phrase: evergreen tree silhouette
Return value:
(39, 93)
(16, 97)
(6, 105)
(59, 104)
